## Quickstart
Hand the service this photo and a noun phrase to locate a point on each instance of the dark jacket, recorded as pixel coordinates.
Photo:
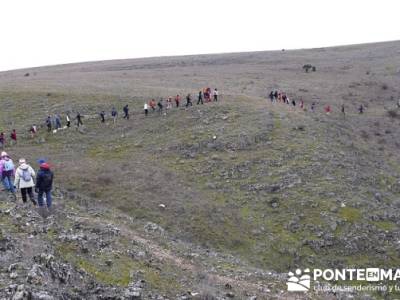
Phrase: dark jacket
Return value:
(44, 180)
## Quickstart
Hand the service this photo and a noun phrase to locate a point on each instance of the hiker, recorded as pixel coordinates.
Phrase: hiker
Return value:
(7, 172)
(271, 96)
(79, 119)
(276, 95)
(177, 100)
(103, 116)
(215, 94)
(200, 99)
(24, 176)
(153, 104)
(58, 121)
(146, 109)
(44, 183)
(33, 130)
(361, 109)
(342, 110)
(48, 123)
(68, 118)
(160, 106)
(188, 100)
(294, 103)
(206, 95)
(328, 109)
(13, 136)
(313, 106)
(126, 112)
(114, 115)
(169, 103)
(302, 104)
(2, 140)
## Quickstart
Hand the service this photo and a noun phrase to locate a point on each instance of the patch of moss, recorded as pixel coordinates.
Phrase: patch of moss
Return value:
(350, 214)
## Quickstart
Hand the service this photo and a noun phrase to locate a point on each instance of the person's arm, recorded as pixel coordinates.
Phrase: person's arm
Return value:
(32, 171)
(38, 180)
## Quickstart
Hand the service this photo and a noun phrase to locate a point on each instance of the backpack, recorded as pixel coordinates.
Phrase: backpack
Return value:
(26, 175)
(8, 165)
(46, 180)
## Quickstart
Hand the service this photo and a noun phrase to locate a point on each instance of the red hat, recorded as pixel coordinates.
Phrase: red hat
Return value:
(45, 166)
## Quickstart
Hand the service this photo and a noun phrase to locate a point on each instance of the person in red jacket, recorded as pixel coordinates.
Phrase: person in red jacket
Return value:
(13, 136)
(2, 140)
(328, 109)
(177, 100)
(152, 104)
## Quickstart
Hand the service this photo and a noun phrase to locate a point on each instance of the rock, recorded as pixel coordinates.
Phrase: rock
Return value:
(13, 275)
(12, 267)
(274, 202)
(230, 295)
(22, 294)
(109, 262)
(132, 293)
(42, 296)
(152, 227)
(35, 274)
(378, 197)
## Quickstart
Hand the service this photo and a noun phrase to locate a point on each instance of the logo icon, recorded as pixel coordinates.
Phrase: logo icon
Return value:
(299, 281)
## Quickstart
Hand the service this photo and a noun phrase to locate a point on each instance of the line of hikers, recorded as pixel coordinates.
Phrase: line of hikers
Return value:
(27, 181)
(281, 97)
(54, 123)
(204, 95)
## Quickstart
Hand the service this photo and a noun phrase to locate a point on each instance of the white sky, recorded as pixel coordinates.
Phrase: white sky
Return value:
(45, 32)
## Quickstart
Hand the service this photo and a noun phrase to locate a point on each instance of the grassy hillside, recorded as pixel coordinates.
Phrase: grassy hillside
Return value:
(278, 188)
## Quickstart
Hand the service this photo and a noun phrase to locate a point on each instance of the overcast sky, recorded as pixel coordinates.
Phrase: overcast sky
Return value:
(46, 32)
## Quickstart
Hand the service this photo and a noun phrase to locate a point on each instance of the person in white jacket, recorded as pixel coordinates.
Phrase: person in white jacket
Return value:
(24, 180)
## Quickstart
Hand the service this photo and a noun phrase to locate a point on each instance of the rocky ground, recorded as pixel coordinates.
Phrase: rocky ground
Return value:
(79, 253)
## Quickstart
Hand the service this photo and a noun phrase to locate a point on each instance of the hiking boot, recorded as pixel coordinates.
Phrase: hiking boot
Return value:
(14, 196)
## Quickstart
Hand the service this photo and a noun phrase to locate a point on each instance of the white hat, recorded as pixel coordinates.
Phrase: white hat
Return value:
(4, 153)
(22, 161)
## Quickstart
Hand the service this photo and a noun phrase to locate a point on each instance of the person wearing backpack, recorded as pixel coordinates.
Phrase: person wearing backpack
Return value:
(7, 172)
(44, 184)
(24, 176)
